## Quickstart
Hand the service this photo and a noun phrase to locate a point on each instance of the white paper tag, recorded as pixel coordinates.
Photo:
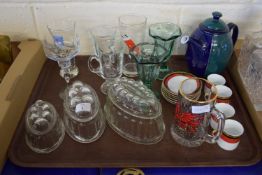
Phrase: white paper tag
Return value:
(83, 107)
(200, 109)
(125, 37)
(184, 39)
(59, 40)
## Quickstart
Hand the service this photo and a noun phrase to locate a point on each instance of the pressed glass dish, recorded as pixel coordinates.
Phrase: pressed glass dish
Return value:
(44, 129)
(83, 117)
(133, 111)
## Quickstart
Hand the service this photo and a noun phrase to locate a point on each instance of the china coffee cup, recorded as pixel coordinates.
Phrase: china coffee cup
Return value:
(224, 94)
(230, 137)
(228, 111)
(216, 79)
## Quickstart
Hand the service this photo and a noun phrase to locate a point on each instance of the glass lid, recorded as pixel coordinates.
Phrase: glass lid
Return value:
(41, 117)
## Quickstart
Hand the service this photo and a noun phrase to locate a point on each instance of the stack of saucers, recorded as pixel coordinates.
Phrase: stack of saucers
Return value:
(171, 83)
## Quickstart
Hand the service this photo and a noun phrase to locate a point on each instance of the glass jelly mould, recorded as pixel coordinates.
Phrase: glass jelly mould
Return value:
(83, 116)
(134, 112)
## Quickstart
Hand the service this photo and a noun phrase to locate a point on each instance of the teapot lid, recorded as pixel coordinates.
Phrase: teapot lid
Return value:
(215, 24)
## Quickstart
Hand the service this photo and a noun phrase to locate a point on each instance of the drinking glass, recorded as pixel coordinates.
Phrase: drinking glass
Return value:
(165, 34)
(132, 29)
(109, 55)
(61, 44)
(44, 129)
(148, 57)
(193, 113)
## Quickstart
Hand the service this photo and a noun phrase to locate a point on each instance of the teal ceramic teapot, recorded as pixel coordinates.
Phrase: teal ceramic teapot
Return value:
(211, 46)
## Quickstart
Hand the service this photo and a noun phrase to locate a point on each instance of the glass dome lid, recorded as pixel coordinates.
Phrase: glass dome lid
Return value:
(81, 102)
(215, 24)
(134, 98)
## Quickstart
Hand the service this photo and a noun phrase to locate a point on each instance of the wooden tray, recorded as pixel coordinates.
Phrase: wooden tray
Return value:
(111, 150)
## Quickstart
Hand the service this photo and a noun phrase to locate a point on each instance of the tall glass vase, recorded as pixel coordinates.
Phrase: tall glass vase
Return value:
(148, 58)
(165, 34)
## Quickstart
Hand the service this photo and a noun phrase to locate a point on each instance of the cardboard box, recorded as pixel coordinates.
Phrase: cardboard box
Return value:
(233, 68)
(15, 89)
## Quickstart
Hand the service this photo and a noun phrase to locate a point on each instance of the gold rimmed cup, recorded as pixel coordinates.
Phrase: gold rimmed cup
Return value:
(193, 110)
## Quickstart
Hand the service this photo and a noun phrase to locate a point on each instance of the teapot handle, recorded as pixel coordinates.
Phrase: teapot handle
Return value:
(235, 32)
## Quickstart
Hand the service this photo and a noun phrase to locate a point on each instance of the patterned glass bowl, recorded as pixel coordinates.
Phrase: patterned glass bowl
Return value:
(133, 111)
(83, 116)
(44, 129)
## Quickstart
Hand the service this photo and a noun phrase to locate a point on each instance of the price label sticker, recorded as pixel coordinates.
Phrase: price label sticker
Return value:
(59, 40)
(184, 39)
(200, 109)
(83, 107)
(128, 40)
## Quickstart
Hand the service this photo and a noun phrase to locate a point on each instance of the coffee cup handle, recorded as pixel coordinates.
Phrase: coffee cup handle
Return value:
(221, 122)
(91, 68)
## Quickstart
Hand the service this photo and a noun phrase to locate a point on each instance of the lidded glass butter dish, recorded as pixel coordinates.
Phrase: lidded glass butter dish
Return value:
(83, 117)
(133, 111)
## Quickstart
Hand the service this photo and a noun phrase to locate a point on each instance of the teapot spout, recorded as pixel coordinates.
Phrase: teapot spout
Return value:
(193, 41)
(197, 55)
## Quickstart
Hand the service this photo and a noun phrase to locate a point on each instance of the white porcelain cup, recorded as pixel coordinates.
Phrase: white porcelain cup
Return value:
(228, 111)
(224, 94)
(230, 137)
(216, 79)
